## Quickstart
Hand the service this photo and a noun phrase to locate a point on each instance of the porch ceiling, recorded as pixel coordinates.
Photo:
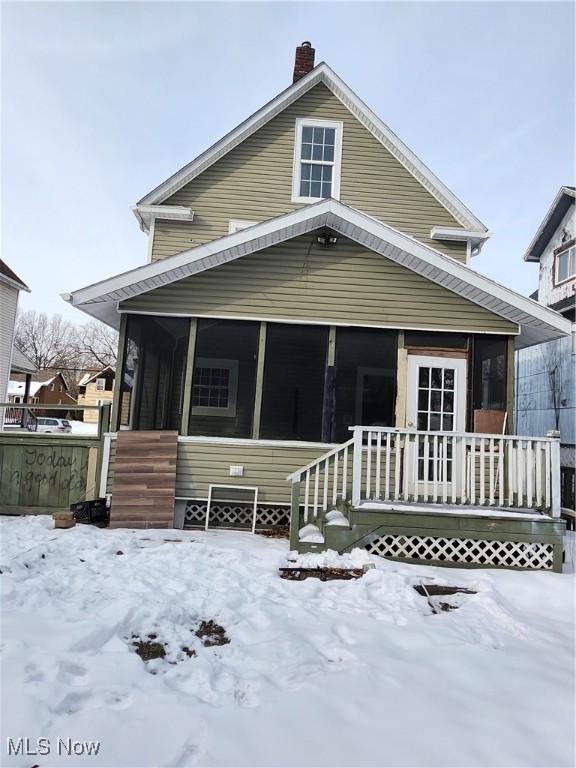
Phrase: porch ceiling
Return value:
(537, 323)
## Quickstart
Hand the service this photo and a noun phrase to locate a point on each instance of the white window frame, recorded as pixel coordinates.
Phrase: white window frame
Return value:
(100, 381)
(235, 225)
(209, 410)
(571, 275)
(52, 387)
(301, 122)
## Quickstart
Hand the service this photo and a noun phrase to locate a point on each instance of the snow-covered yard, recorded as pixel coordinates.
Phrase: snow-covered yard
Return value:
(341, 673)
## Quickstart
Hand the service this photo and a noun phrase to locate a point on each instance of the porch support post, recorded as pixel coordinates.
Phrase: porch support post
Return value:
(259, 380)
(119, 374)
(401, 382)
(555, 485)
(25, 413)
(357, 467)
(510, 371)
(294, 514)
(188, 376)
(328, 410)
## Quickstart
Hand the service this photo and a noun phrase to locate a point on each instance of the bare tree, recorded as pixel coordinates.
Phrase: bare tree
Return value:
(57, 344)
(98, 344)
(50, 342)
(552, 357)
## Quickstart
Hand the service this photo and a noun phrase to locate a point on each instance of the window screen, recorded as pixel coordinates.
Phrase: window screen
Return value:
(224, 379)
(294, 374)
(489, 374)
(152, 379)
(365, 379)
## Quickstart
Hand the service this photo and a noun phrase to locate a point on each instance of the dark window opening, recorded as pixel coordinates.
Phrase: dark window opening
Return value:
(152, 382)
(489, 373)
(365, 380)
(294, 375)
(224, 379)
(425, 339)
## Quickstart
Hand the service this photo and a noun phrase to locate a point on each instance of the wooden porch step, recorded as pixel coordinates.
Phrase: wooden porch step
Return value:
(144, 484)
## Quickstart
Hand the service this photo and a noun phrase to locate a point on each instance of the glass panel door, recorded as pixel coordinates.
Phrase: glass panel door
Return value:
(436, 403)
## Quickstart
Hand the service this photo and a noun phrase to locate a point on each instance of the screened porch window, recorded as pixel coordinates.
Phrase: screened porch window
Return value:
(317, 157)
(224, 378)
(489, 385)
(365, 379)
(152, 381)
(294, 377)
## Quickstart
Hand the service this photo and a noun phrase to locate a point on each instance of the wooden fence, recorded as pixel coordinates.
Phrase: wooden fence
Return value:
(43, 473)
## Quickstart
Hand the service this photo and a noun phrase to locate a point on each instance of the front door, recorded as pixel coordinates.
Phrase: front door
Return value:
(436, 402)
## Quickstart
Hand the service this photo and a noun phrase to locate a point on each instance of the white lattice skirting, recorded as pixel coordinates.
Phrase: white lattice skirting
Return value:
(233, 515)
(511, 554)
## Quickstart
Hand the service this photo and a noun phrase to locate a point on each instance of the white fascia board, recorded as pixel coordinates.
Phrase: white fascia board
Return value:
(146, 214)
(475, 237)
(320, 74)
(452, 274)
(563, 191)
(101, 300)
(14, 283)
(164, 271)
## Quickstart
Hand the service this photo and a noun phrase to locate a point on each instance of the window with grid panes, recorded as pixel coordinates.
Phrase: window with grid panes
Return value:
(317, 161)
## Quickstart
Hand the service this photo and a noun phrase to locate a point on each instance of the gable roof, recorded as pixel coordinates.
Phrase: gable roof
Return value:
(320, 74)
(91, 375)
(538, 323)
(560, 205)
(9, 276)
(19, 387)
(20, 363)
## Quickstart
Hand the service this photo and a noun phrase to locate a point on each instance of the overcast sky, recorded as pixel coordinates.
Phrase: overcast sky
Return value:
(102, 101)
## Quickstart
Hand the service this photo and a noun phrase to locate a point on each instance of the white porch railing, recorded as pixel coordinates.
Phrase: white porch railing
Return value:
(406, 465)
(325, 481)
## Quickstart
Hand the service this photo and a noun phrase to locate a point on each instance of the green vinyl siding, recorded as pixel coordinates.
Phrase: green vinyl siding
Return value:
(200, 464)
(300, 281)
(254, 182)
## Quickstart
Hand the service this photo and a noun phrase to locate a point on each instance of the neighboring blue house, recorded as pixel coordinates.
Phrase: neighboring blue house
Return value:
(545, 374)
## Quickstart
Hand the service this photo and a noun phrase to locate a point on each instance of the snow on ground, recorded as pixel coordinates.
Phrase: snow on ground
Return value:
(83, 427)
(340, 673)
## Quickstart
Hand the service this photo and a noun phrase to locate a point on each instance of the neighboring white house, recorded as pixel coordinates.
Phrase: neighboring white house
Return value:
(10, 287)
(546, 373)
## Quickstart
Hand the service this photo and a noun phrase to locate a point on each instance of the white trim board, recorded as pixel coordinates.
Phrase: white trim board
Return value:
(336, 164)
(307, 321)
(147, 214)
(538, 323)
(322, 73)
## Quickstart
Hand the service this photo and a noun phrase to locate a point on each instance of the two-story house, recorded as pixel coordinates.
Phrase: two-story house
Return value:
(42, 388)
(10, 287)
(310, 308)
(546, 373)
(96, 387)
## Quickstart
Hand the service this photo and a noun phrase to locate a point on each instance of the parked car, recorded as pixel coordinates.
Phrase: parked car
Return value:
(51, 425)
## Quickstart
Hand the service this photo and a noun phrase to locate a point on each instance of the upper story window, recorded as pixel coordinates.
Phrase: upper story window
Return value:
(317, 160)
(100, 385)
(565, 265)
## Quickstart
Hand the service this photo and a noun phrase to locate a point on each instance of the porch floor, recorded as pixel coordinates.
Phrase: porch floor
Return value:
(452, 509)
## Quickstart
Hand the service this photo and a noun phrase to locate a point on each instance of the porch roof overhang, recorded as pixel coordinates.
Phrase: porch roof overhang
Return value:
(537, 323)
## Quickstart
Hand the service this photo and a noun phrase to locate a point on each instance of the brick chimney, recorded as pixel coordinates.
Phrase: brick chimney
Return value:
(304, 60)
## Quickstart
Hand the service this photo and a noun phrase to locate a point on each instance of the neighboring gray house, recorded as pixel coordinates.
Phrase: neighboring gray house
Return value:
(545, 374)
(10, 287)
